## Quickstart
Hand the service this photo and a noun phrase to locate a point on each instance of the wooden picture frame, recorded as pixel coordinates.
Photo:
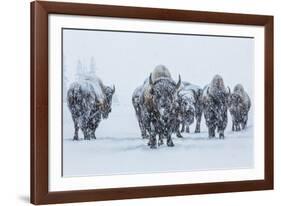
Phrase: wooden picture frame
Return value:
(40, 193)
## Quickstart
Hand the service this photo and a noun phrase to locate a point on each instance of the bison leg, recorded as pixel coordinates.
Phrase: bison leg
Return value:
(210, 123)
(221, 134)
(222, 123)
(93, 135)
(93, 131)
(198, 122)
(76, 127)
(211, 131)
(221, 128)
(197, 128)
(244, 123)
(141, 122)
(86, 134)
(144, 134)
(169, 141)
(93, 126)
(237, 126)
(187, 129)
(178, 132)
(152, 142)
(175, 128)
(143, 130)
(152, 137)
(85, 129)
(183, 128)
(160, 140)
(233, 127)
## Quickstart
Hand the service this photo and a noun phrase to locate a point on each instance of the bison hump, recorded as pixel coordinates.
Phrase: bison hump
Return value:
(159, 72)
(91, 88)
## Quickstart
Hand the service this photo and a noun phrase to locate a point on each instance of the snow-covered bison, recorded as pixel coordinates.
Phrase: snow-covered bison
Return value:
(189, 103)
(89, 101)
(215, 97)
(239, 106)
(157, 104)
(138, 108)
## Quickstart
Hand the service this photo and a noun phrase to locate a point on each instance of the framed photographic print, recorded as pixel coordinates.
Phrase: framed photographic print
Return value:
(131, 102)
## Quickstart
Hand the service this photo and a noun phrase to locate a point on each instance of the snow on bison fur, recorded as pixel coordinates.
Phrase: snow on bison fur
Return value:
(157, 103)
(138, 108)
(239, 106)
(215, 99)
(189, 103)
(89, 100)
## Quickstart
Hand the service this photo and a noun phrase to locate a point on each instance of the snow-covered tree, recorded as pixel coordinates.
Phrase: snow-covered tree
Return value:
(65, 79)
(80, 70)
(115, 99)
(92, 68)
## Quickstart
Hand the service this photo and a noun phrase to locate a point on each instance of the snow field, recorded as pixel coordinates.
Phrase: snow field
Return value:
(119, 149)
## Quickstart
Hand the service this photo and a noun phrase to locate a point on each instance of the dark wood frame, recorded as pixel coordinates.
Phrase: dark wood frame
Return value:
(39, 102)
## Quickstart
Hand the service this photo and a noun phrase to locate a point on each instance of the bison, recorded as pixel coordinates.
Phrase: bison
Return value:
(138, 108)
(215, 98)
(189, 103)
(89, 101)
(157, 104)
(239, 106)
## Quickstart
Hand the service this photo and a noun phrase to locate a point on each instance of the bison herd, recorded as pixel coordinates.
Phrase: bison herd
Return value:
(162, 106)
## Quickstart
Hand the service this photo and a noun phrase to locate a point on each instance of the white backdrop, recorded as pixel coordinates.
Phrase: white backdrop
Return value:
(14, 103)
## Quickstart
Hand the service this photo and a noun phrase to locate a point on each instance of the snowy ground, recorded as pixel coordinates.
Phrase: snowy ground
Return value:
(119, 149)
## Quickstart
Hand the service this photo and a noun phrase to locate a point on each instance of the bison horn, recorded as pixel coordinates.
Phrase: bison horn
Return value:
(208, 90)
(150, 79)
(194, 92)
(113, 88)
(179, 82)
(229, 91)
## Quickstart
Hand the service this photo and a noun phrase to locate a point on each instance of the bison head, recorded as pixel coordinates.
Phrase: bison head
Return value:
(235, 100)
(220, 95)
(239, 89)
(187, 112)
(163, 92)
(106, 105)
